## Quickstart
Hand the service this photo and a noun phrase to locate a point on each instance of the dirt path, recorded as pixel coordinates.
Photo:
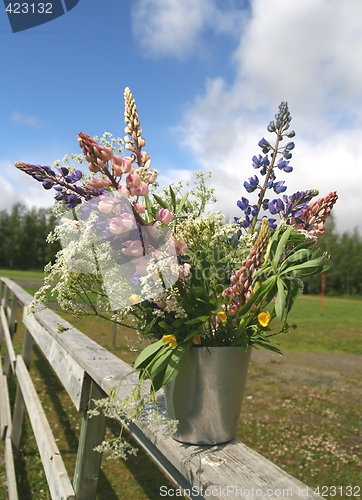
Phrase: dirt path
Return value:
(327, 369)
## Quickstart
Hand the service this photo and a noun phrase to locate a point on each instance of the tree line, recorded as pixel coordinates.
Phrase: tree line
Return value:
(23, 245)
(345, 275)
(23, 234)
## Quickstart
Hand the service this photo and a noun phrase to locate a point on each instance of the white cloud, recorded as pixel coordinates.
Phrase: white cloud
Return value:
(21, 119)
(304, 52)
(17, 187)
(174, 28)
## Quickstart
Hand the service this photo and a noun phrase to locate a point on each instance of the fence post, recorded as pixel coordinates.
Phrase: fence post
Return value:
(19, 405)
(89, 461)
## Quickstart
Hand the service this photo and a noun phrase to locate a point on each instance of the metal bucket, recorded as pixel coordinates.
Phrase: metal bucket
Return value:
(206, 395)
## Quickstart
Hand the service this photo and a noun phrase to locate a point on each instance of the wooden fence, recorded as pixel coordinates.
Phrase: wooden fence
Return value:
(89, 372)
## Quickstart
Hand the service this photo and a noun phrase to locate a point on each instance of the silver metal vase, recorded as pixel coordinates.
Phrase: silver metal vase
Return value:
(206, 395)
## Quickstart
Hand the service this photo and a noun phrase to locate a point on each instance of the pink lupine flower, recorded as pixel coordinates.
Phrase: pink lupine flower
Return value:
(185, 270)
(118, 225)
(99, 182)
(117, 170)
(93, 167)
(105, 206)
(133, 180)
(139, 207)
(124, 192)
(181, 248)
(133, 248)
(140, 190)
(126, 165)
(152, 177)
(164, 215)
(105, 153)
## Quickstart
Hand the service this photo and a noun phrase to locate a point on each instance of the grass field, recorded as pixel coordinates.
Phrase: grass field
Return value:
(302, 411)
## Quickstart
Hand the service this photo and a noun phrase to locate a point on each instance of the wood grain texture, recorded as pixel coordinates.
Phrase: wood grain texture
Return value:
(73, 377)
(55, 471)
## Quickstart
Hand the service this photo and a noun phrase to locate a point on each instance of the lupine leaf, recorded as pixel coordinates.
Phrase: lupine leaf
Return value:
(281, 247)
(280, 300)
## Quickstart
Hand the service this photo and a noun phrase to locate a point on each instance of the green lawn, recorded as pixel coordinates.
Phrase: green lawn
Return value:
(338, 329)
(13, 274)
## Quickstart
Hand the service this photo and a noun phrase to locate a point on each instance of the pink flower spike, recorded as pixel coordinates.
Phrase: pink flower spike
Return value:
(164, 215)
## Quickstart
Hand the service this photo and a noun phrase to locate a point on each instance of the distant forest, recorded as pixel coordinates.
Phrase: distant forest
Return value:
(23, 245)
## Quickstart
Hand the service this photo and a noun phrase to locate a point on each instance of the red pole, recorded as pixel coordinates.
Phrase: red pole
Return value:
(322, 292)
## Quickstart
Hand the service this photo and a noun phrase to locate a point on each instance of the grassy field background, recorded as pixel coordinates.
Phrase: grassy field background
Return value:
(302, 410)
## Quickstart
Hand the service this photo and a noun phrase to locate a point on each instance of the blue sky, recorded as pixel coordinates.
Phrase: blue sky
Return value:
(207, 76)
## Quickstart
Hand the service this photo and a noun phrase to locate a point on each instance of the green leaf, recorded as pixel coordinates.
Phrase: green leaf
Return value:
(149, 208)
(299, 255)
(281, 247)
(160, 362)
(159, 201)
(182, 202)
(280, 300)
(199, 319)
(173, 366)
(173, 198)
(311, 267)
(147, 354)
(267, 346)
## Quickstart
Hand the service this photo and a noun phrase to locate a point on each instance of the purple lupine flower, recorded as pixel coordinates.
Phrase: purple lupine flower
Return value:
(257, 161)
(279, 187)
(252, 184)
(243, 203)
(264, 145)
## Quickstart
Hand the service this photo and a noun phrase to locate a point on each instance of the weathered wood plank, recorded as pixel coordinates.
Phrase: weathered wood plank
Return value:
(5, 407)
(56, 474)
(73, 377)
(10, 471)
(19, 405)
(102, 366)
(23, 297)
(89, 461)
(233, 468)
(5, 413)
(9, 344)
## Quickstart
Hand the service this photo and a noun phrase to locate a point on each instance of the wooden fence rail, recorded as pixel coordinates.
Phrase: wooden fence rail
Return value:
(89, 372)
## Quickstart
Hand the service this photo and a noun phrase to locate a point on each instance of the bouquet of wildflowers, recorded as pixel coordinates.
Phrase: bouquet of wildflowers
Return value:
(157, 261)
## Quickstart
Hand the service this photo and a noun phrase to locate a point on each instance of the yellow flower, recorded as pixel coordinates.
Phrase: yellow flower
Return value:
(134, 298)
(222, 316)
(170, 340)
(197, 339)
(264, 318)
